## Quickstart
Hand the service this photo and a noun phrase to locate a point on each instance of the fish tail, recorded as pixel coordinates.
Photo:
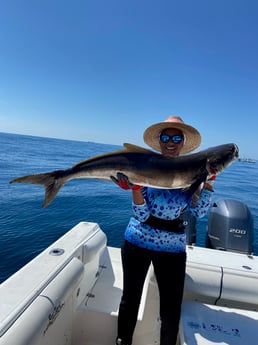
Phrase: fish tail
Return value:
(51, 181)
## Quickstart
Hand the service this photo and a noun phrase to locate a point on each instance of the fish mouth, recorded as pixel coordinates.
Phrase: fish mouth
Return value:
(236, 151)
(217, 165)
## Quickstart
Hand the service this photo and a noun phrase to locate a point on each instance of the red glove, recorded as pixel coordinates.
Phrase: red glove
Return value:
(209, 183)
(123, 182)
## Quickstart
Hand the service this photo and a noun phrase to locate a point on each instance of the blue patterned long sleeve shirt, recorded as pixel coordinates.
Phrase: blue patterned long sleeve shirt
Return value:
(165, 204)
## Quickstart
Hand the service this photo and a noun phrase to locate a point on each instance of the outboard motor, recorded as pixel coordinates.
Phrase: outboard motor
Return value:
(230, 227)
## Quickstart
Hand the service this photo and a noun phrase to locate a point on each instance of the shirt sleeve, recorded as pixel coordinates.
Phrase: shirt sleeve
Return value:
(203, 204)
(141, 212)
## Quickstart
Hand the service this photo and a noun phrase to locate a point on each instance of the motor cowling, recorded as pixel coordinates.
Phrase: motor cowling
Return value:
(230, 227)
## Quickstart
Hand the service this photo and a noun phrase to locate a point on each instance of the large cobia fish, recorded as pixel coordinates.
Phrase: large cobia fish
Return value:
(142, 166)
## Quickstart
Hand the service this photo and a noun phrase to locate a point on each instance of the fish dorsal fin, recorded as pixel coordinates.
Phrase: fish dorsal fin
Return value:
(135, 148)
(102, 155)
(127, 148)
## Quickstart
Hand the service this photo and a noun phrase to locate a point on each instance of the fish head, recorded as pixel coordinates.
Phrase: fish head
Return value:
(220, 157)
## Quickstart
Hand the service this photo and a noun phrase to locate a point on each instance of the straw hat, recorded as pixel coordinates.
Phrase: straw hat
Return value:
(192, 136)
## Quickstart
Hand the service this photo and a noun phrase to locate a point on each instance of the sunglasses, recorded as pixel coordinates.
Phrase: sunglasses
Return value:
(176, 139)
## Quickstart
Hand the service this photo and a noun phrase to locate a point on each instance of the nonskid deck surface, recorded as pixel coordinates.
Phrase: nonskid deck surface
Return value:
(203, 324)
(106, 293)
(96, 318)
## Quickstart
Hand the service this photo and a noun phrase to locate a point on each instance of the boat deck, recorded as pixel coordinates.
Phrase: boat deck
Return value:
(70, 295)
(101, 306)
(205, 324)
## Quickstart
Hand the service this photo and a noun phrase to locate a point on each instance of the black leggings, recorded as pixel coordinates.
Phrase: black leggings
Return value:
(169, 270)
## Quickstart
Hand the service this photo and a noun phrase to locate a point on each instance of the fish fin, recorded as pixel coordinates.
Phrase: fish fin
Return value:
(51, 181)
(127, 147)
(194, 186)
(92, 159)
(135, 148)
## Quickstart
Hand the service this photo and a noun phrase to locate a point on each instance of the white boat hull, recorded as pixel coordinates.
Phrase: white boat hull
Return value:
(70, 294)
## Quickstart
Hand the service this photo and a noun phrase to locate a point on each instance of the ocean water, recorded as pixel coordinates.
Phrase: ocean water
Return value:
(26, 228)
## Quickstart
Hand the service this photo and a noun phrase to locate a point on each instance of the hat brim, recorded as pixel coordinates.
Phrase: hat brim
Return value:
(192, 136)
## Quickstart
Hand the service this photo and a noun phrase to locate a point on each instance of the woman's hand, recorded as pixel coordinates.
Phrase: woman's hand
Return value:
(123, 182)
(209, 183)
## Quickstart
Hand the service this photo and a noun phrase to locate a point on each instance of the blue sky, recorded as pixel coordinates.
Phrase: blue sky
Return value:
(105, 70)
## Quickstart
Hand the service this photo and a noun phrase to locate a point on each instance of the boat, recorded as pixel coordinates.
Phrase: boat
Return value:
(247, 160)
(69, 294)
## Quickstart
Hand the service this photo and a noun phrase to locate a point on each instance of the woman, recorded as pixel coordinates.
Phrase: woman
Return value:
(155, 234)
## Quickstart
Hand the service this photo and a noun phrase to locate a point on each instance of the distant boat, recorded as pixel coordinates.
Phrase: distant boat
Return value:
(247, 160)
